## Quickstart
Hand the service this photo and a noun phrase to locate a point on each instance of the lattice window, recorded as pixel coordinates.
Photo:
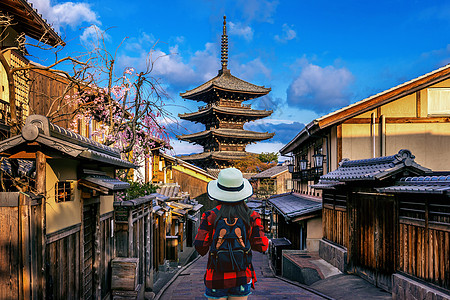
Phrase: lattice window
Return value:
(412, 210)
(21, 86)
(64, 191)
(439, 211)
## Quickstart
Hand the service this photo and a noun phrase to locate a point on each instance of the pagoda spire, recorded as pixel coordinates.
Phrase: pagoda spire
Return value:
(224, 45)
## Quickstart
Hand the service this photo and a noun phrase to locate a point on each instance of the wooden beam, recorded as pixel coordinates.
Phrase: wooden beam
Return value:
(385, 97)
(418, 104)
(339, 144)
(41, 182)
(400, 120)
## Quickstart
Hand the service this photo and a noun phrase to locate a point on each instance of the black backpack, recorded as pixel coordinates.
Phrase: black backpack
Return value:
(230, 250)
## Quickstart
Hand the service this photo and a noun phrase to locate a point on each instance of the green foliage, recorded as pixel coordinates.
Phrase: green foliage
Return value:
(137, 190)
(268, 157)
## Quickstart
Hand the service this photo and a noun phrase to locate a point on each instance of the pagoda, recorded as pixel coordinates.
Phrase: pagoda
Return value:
(224, 115)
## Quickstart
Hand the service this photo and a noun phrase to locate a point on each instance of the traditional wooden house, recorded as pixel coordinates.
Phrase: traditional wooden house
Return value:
(297, 218)
(276, 180)
(63, 240)
(423, 242)
(224, 139)
(413, 115)
(15, 89)
(377, 226)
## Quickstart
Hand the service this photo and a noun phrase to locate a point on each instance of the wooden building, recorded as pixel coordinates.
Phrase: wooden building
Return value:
(276, 180)
(413, 115)
(423, 252)
(15, 89)
(380, 225)
(297, 218)
(63, 239)
(224, 138)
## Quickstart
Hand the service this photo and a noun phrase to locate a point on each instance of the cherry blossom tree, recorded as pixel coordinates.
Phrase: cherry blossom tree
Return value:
(128, 105)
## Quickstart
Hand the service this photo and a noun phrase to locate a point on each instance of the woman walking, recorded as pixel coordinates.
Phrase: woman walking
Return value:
(229, 232)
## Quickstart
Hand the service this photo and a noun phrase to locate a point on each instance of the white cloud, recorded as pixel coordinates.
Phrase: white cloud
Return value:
(288, 34)
(258, 10)
(239, 29)
(184, 148)
(320, 89)
(251, 69)
(170, 65)
(71, 14)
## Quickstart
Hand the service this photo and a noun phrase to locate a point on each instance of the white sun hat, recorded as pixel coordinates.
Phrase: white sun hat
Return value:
(230, 186)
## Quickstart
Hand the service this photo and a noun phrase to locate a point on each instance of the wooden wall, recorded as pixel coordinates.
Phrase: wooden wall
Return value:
(373, 238)
(424, 238)
(63, 264)
(335, 218)
(194, 186)
(106, 251)
(45, 88)
(20, 245)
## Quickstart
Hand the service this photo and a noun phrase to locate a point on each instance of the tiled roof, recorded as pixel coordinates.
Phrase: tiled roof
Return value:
(169, 190)
(30, 21)
(39, 129)
(366, 105)
(235, 111)
(224, 132)
(224, 155)
(419, 185)
(227, 82)
(272, 172)
(292, 205)
(374, 168)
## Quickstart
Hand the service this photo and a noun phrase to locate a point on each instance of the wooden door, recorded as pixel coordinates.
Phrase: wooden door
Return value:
(89, 218)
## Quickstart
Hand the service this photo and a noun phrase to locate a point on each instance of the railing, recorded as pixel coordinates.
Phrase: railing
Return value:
(5, 113)
(308, 174)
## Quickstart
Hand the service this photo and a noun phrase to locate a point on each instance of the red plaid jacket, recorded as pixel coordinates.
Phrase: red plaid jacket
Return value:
(203, 240)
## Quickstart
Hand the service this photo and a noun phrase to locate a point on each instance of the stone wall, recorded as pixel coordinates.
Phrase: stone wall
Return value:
(335, 255)
(406, 288)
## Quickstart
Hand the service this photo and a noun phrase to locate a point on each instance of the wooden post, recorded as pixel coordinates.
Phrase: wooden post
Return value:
(41, 189)
(130, 234)
(181, 234)
(149, 249)
(97, 248)
(25, 280)
(147, 170)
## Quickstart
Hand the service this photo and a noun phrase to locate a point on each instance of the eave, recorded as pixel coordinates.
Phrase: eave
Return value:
(28, 20)
(251, 114)
(365, 105)
(227, 133)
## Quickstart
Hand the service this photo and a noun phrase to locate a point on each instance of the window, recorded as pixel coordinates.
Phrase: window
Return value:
(439, 101)
(64, 191)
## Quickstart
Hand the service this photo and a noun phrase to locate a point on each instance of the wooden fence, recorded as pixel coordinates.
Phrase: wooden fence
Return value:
(335, 218)
(424, 238)
(20, 247)
(133, 230)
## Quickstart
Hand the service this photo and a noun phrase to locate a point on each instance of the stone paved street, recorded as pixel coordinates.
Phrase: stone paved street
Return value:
(189, 284)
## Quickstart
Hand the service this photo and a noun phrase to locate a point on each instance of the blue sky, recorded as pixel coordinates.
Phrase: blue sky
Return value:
(317, 56)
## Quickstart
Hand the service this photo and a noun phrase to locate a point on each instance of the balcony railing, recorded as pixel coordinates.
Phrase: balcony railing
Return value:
(308, 174)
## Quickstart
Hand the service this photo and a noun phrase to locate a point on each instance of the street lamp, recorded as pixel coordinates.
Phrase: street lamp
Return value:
(303, 164)
(291, 167)
(318, 160)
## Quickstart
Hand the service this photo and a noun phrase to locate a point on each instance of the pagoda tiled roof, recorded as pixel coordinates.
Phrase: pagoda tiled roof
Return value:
(226, 82)
(236, 111)
(225, 132)
(219, 155)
